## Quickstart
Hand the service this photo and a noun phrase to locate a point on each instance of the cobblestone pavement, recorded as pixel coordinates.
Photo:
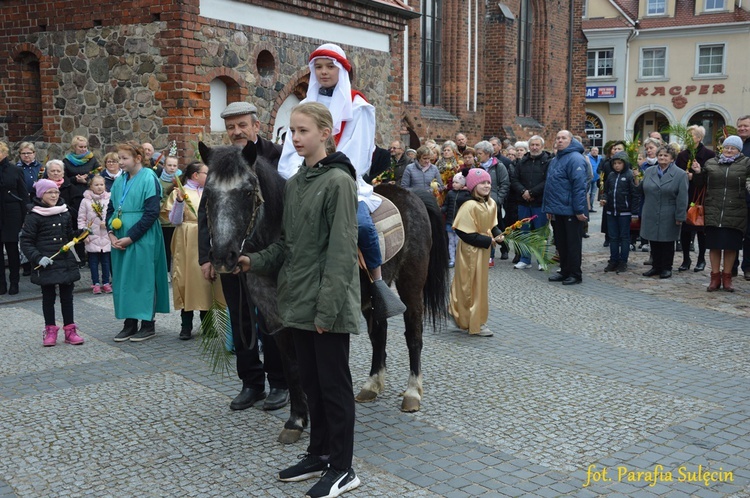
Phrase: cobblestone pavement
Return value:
(621, 372)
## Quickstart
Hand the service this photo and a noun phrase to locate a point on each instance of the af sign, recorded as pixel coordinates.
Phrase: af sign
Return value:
(601, 92)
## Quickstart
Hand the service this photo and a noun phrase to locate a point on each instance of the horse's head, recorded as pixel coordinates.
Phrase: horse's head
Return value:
(233, 201)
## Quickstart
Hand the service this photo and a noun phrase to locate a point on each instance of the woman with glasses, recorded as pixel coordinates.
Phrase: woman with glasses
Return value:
(32, 169)
(111, 169)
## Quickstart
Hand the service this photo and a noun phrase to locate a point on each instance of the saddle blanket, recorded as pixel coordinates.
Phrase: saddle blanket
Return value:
(387, 220)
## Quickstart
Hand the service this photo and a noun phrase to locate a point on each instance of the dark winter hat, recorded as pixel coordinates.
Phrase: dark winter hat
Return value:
(622, 157)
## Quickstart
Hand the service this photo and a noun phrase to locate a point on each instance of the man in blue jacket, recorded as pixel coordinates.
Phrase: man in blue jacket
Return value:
(564, 202)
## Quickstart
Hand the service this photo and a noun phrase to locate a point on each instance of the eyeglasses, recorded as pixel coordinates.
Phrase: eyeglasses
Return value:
(112, 162)
(26, 153)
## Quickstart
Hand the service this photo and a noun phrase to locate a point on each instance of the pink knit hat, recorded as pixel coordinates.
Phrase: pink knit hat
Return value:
(476, 176)
(460, 179)
(43, 185)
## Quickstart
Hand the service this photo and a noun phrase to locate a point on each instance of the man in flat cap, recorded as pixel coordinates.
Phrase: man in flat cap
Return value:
(242, 125)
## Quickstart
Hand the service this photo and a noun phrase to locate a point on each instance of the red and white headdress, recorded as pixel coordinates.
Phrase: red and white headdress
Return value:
(341, 102)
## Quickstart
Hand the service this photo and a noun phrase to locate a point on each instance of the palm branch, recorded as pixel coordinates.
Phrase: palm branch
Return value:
(530, 243)
(632, 148)
(214, 328)
(683, 135)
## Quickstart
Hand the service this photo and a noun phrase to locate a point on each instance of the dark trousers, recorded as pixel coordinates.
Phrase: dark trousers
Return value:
(323, 361)
(686, 237)
(250, 369)
(569, 243)
(618, 228)
(96, 258)
(14, 261)
(66, 303)
(662, 255)
(168, 232)
(746, 248)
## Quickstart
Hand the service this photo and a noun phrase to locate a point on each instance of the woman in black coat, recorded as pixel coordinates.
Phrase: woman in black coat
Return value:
(702, 155)
(13, 199)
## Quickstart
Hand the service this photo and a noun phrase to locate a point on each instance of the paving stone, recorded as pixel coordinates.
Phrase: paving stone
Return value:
(573, 377)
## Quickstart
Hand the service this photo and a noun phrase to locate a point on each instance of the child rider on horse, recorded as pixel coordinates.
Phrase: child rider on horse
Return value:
(354, 134)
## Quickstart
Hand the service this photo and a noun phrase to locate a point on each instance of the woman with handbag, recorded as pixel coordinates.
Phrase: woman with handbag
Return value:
(726, 180)
(695, 197)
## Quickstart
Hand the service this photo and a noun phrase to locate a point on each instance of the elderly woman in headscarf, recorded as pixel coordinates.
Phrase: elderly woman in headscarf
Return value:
(727, 179)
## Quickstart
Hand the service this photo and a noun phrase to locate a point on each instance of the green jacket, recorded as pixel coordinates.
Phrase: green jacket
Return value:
(316, 257)
(726, 186)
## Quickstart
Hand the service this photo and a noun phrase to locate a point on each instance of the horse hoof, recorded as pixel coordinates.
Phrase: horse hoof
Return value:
(410, 404)
(365, 396)
(289, 436)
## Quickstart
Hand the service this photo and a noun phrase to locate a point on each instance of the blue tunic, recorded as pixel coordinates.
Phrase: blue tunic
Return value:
(139, 273)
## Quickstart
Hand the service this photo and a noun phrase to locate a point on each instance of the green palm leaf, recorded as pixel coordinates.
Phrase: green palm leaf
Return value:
(532, 243)
(214, 327)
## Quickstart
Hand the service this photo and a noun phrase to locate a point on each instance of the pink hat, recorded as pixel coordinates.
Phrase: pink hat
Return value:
(44, 185)
(477, 176)
(459, 178)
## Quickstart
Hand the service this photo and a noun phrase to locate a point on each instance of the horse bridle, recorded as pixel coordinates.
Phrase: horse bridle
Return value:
(252, 225)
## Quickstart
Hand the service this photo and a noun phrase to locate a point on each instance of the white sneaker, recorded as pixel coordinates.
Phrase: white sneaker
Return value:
(521, 265)
(540, 268)
(485, 332)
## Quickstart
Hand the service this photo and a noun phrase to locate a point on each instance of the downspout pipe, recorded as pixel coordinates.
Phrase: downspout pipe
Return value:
(569, 96)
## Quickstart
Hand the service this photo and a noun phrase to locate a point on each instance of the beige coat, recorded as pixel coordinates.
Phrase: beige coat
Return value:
(190, 291)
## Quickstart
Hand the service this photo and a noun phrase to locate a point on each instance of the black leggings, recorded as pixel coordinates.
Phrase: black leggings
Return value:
(66, 303)
(686, 237)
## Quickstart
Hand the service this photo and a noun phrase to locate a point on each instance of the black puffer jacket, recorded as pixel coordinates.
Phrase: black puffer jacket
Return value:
(44, 236)
(621, 194)
(530, 174)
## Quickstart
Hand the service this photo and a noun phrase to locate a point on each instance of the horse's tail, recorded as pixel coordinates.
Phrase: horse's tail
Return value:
(435, 292)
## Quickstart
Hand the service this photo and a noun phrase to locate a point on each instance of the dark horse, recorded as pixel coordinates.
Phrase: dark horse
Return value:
(244, 197)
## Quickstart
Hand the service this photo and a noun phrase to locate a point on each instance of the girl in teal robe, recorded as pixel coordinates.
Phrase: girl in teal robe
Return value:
(139, 264)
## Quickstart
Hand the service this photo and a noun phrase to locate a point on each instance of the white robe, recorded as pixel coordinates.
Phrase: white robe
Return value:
(357, 142)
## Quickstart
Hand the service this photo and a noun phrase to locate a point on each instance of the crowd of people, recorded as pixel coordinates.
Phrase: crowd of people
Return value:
(140, 209)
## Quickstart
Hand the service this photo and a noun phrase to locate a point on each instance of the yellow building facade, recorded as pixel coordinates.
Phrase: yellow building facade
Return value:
(652, 63)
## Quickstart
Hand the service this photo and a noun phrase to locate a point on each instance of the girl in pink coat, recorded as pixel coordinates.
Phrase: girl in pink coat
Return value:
(92, 215)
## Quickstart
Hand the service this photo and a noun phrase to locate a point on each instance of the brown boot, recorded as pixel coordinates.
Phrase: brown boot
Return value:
(715, 282)
(726, 281)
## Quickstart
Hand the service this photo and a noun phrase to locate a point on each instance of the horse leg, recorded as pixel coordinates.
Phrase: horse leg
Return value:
(375, 383)
(297, 401)
(413, 320)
